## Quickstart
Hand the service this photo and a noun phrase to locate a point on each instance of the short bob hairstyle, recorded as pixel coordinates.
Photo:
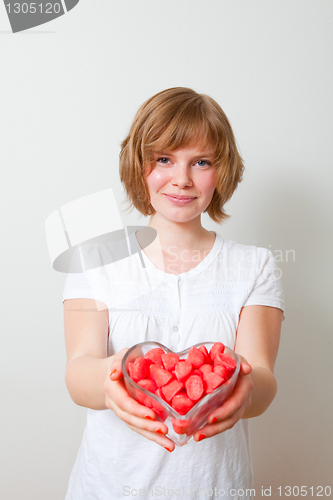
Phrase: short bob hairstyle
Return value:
(174, 118)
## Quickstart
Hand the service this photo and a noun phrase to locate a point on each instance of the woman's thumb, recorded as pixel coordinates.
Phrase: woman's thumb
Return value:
(115, 368)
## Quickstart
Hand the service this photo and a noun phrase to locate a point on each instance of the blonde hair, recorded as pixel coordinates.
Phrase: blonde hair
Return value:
(174, 118)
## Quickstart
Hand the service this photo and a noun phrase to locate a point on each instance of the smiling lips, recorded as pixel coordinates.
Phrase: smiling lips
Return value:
(180, 200)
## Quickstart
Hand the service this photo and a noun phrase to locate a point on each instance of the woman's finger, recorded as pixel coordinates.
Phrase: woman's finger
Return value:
(245, 369)
(156, 437)
(115, 368)
(240, 397)
(118, 397)
(211, 430)
(142, 422)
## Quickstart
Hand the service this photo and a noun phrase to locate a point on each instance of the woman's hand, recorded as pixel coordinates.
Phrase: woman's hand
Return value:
(257, 338)
(227, 415)
(139, 418)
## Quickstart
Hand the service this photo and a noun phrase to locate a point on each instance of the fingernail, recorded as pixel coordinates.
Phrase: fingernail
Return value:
(213, 420)
(148, 417)
(113, 371)
(201, 437)
(168, 449)
(160, 431)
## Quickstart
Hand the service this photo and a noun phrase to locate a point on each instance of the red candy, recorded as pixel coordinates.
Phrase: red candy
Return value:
(181, 382)
(222, 371)
(182, 404)
(204, 351)
(213, 380)
(196, 357)
(151, 387)
(170, 360)
(139, 369)
(218, 348)
(194, 387)
(170, 390)
(159, 375)
(155, 355)
(226, 361)
(206, 368)
(182, 370)
(180, 426)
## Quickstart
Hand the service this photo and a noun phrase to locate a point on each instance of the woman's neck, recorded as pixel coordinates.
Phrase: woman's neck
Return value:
(181, 236)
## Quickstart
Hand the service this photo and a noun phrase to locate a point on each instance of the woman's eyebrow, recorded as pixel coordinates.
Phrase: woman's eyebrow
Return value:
(210, 155)
(162, 153)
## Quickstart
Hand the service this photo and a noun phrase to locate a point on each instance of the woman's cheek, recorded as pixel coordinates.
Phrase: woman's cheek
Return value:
(156, 180)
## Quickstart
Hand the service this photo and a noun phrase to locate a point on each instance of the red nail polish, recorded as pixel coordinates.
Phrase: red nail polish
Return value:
(160, 432)
(213, 420)
(168, 449)
(113, 371)
(148, 417)
(201, 437)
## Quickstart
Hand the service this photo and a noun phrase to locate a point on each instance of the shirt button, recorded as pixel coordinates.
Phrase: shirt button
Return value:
(175, 328)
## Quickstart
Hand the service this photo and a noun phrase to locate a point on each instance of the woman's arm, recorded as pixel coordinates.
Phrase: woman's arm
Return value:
(257, 343)
(95, 380)
(86, 336)
(258, 338)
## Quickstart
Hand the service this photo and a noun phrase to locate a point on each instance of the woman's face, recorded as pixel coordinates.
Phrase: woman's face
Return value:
(182, 182)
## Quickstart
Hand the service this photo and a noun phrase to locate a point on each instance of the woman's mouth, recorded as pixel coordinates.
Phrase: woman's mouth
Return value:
(179, 200)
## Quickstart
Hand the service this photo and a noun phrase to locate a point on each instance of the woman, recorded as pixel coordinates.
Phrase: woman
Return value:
(178, 161)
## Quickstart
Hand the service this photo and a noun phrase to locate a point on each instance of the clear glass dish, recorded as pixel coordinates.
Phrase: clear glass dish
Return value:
(180, 427)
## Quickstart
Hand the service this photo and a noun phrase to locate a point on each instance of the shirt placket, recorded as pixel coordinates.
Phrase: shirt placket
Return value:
(174, 334)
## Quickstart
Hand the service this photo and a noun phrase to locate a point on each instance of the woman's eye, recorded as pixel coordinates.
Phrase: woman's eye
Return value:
(203, 163)
(163, 160)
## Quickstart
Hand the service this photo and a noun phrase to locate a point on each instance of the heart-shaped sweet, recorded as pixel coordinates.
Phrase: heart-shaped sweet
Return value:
(182, 388)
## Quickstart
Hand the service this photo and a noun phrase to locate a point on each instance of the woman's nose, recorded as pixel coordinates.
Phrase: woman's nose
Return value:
(181, 176)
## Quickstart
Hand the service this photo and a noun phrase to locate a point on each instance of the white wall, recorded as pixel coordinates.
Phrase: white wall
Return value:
(69, 90)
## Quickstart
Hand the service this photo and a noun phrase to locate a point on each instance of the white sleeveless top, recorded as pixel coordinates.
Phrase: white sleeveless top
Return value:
(178, 311)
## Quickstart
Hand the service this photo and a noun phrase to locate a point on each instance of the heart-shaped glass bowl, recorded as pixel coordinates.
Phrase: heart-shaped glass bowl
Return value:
(180, 427)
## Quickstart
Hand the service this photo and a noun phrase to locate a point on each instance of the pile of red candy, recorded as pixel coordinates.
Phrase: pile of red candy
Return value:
(181, 382)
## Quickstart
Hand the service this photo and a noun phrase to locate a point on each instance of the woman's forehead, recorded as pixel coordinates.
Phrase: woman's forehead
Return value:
(193, 149)
(201, 145)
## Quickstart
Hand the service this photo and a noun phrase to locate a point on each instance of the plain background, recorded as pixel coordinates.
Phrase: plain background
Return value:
(69, 91)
